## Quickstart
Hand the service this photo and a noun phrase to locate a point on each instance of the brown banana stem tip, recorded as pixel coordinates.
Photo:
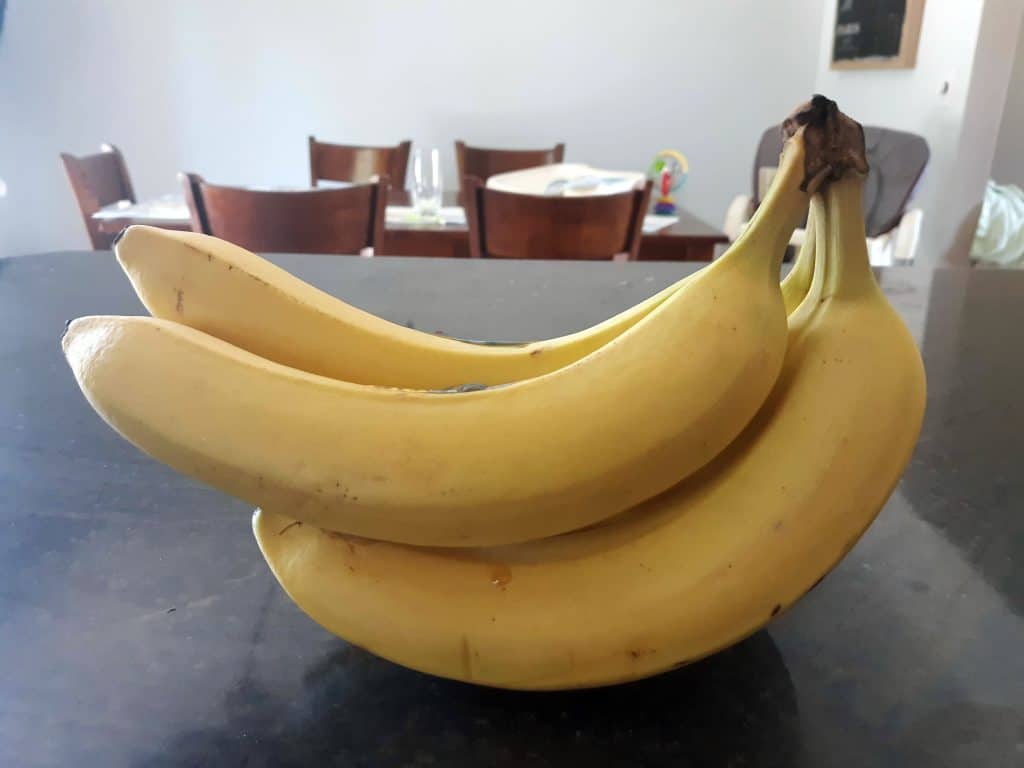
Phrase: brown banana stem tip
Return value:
(833, 142)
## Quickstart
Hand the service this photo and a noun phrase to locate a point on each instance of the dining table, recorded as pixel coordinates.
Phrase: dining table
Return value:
(140, 626)
(681, 236)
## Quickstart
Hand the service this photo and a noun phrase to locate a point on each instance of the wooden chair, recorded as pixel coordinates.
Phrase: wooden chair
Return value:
(513, 226)
(98, 180)
(309, 221)
(484, 163)
(343, 162)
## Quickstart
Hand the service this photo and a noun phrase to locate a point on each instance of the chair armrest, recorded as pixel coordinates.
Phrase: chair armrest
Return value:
(736, 215)
(899, 244)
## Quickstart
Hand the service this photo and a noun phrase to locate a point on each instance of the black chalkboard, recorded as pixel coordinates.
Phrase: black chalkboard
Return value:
(875, 31)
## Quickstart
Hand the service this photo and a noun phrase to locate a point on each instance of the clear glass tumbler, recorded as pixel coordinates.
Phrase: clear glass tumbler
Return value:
(426, 184)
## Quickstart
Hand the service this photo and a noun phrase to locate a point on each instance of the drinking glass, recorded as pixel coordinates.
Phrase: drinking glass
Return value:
(426, 184)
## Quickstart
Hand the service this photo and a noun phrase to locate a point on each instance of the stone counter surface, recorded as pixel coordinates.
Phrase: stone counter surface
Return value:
(139, 625)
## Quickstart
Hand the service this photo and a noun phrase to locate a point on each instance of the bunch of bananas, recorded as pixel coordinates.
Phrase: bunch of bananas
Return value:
(572, 512)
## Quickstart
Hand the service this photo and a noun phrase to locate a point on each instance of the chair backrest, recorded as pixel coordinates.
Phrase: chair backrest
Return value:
(896, 158)
(483, 163)
(514, 226)
(349, 162)
(308, 221)
(98, 180)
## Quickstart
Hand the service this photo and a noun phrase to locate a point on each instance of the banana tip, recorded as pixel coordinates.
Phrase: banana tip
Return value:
(119, 236)
(127, 243)
(64, 340)
(121, 242)
(72, 331)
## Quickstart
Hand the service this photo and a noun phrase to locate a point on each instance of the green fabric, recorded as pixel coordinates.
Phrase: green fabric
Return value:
(999, 238)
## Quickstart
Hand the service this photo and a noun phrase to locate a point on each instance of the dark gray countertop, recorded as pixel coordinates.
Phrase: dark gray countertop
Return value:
(139, 625)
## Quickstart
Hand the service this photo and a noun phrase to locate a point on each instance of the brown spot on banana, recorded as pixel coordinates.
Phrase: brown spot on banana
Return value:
(501, 575)
(639, 653)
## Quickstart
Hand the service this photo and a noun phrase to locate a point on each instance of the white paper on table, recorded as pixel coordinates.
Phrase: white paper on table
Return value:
(166, 208)
(172, 207)
(406, 214)
(655, 223)
(565, 180)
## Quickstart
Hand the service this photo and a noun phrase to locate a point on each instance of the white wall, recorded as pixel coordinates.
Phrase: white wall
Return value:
(1008, 162)
(232, 89)
(968, 44)
(986, 99)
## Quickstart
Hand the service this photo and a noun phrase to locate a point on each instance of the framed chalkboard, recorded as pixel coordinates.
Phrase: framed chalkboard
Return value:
(876, 34)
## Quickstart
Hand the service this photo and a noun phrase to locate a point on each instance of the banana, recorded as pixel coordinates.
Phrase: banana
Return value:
(796, 284)
(228, 292)
(494, 466)
(683, 575)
